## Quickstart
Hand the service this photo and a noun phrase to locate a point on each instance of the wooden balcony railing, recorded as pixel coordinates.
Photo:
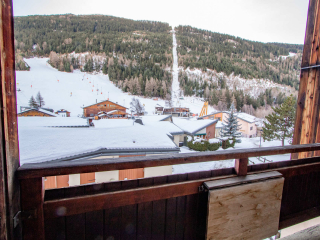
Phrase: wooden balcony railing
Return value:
(167, 207)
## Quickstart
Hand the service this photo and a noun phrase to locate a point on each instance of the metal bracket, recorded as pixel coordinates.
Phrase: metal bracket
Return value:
(201, 188)
(24, 215)
(315, 66)
(16, 219)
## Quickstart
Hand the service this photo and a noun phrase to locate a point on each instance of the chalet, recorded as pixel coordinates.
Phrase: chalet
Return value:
(247, 122)
(63, 113)
(200, 128)
(105, 106)
(176, 111)
(159, 109)
(36, 112)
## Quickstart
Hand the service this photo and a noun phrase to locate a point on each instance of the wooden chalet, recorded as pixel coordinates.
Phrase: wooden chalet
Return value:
(240, 202)
(35, 112)
(177, 111)
(105, 106)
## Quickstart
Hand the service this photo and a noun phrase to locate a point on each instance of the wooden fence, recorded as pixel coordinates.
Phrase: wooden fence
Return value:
(167, 207)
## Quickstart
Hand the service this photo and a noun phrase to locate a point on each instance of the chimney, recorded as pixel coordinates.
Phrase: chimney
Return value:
(96, 100)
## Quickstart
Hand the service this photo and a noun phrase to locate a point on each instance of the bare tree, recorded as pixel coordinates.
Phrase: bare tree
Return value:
(136, 106)
(39, 100)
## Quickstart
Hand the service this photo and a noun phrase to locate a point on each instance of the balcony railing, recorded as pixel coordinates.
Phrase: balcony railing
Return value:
(166, 207)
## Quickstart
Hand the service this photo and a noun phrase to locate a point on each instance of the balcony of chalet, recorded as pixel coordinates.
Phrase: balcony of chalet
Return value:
(241, 202)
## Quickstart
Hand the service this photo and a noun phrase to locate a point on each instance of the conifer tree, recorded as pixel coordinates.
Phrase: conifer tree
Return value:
(231, 125)
(280, 123)
(33, 103)
(39, 100)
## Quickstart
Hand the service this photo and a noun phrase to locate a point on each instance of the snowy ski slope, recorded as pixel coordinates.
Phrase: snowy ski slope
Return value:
(72, 91)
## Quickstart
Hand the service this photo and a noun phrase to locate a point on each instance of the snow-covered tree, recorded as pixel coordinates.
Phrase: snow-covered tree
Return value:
(136, 106)
(280, 123)
(231, 125)
(33, 102)
(39, 100)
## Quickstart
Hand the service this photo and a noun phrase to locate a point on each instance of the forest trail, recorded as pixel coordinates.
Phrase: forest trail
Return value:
(175, 93)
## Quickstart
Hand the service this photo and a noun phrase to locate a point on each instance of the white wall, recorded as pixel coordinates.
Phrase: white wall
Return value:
(176, 139)
(157, 171)
(74, 179)
(107, 176)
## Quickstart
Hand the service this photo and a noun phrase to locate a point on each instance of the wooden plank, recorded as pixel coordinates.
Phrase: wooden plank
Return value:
(159, 213)
(144, 214)
(241, 166)
(9, 127)
(129, 222)
(299, 217)
(32, 197)
(55, 168)
(248, 211)
(228, 182)
(55, 229)
(94, 225)
(75, 225)
(50, 182)
(307, 114)
(112, 221)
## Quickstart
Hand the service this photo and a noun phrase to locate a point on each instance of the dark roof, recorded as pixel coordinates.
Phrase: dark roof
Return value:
(105, 101)
(117, 151)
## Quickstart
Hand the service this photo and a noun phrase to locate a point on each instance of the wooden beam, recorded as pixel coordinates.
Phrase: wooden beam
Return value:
(32, 198)
(241, 166)
(307, 125)
(55, 168)
(87, 203)
(82, 204)
(8, 115)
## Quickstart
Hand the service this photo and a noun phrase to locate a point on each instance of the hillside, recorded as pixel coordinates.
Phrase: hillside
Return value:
(130, 52)
(224, 53)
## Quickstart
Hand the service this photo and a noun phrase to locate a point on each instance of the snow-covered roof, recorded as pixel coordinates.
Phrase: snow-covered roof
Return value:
(40, 110)
(155, 118)
(112, 111)
(192, 125)
(246, 117)
(62, 110)
(105, 101)
(219, 124)
(39, 143)
(241, 115)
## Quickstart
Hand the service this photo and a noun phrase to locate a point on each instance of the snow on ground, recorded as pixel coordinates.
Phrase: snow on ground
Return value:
(175, 93)
(72, 91)
(39, 143)
(246, 143)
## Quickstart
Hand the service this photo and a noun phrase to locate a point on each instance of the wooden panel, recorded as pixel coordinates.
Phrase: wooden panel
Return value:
(307, 125)
(32, 195)
(63, 181)
(131, 174)
(10, 204)
(248, 211)
(86, 178)
(55, 168)
(50, 182)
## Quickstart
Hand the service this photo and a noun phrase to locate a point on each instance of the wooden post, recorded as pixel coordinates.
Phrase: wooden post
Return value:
(32, 197)
(241, 166)
(307, 129)
(9, 189)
